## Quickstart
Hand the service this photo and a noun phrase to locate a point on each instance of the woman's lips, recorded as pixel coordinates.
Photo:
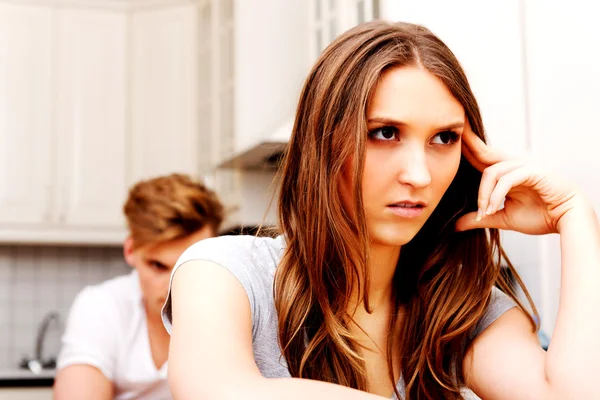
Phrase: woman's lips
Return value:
(406, 210)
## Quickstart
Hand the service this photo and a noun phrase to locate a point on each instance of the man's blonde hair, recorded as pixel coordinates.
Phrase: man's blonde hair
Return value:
(170, 207)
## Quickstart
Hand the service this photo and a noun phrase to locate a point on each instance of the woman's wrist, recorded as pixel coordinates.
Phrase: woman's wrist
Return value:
(579, 212)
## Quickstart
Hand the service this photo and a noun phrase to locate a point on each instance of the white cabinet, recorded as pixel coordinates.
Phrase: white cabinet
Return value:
(91, 120)
(26, 394)
(274, 46)
(93, 97)
(259, 58)
(271, 59)
(26, 133)
(164, 113)
(62, 129)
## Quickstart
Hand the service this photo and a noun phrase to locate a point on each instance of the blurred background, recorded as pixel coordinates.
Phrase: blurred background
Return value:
(98, 94)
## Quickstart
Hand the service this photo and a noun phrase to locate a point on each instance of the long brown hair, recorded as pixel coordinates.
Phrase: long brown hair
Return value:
(443, 279)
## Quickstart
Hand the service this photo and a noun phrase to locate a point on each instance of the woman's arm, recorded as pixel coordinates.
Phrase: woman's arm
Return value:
(211, 353)
(573, 360)
(505, 361)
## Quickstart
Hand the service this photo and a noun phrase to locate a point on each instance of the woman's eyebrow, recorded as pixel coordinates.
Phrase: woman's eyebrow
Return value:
(395, 122)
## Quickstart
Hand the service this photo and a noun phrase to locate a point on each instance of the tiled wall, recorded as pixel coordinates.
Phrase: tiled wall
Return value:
(36, 280)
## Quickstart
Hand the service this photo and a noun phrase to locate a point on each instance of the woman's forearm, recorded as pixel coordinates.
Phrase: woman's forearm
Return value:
(301, 389)
(573, 360)
(267, 389)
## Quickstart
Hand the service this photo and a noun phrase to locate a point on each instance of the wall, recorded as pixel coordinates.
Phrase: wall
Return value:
(563, 48)
(36, 280)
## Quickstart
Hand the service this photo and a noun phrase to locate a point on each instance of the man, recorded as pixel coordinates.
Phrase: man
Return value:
(115, 345)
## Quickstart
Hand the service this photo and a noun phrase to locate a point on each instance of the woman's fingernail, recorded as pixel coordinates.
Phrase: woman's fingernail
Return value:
(489, 210)
(479, 215)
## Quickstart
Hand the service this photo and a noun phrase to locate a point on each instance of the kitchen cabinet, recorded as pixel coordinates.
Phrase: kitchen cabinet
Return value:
(91, 120)
(164, 104)
(25, 393)
(93, 97)
(26, 135)
(25, 81)
(271, 58)
(275, 44)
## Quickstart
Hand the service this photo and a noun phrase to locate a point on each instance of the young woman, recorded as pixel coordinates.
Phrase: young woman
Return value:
(382, 280)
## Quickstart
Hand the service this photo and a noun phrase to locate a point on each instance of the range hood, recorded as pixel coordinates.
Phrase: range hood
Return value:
(265, 154)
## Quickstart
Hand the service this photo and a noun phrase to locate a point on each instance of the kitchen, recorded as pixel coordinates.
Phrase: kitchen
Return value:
(97, 94)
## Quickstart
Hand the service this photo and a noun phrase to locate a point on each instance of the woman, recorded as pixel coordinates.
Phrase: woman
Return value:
(382, 279)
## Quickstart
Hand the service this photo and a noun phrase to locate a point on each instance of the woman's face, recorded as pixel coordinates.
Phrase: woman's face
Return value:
(412, 153)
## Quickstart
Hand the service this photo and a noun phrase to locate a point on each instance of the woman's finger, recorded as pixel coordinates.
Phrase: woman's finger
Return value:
(466, 152)
(477, 152)
(489, 181)
(470, 221)
(505, 184)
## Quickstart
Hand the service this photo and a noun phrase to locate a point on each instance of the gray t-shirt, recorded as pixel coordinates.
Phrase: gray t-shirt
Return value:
(253, 262)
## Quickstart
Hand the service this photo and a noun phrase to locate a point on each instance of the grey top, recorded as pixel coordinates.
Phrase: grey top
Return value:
(253, 262)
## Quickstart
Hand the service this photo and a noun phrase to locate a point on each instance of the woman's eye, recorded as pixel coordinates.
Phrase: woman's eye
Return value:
(445, 138)
(385, 133)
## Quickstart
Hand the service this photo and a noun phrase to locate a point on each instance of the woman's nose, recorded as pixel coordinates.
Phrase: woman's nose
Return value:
(414, 170)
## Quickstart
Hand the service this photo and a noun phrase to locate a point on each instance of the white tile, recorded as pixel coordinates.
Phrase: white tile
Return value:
(23, 290)
(24, 337)
(48, 297)
(4, 333)
(24, 263)
(24, 317)
(38, 279)
(5, 271)
(4, 317)
(5, 293)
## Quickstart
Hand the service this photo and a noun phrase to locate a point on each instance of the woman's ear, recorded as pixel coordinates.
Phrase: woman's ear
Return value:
(128, 251)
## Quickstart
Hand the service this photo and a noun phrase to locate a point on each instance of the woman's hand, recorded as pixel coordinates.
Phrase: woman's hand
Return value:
(534, 202)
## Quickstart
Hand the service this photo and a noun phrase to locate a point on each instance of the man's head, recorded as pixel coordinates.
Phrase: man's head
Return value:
(165, 216)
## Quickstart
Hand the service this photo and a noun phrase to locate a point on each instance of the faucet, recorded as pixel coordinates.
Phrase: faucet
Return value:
(36, 364)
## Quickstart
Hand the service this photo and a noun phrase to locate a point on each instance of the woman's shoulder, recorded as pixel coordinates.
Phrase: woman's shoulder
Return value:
(238, 252)
(251, 260)
(499, 303)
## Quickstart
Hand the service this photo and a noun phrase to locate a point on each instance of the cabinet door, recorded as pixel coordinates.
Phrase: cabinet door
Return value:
(164, 115)
(26, 129)
(91, 119)
(26, 394)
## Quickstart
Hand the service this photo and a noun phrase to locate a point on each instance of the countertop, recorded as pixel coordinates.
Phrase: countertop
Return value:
(25, 378)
